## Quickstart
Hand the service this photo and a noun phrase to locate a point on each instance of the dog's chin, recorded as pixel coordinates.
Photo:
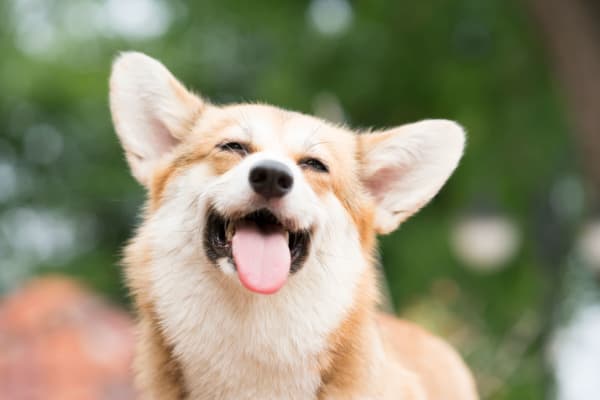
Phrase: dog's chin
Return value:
(220, 230)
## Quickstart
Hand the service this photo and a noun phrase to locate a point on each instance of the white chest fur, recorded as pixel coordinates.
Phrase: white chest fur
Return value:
(230, 350)
(246, 345)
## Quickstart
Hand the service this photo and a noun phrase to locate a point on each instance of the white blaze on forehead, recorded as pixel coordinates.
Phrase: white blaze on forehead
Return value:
(262, 124)
(280, 131)
(303, 133)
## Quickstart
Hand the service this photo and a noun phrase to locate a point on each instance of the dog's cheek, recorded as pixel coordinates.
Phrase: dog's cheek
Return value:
(350, 197)
(361, 213)
(164, 175)
(223, 161)
(320, 183)
(337, 231)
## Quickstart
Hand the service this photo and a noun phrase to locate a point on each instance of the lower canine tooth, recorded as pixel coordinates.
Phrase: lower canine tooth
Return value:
(229, 231)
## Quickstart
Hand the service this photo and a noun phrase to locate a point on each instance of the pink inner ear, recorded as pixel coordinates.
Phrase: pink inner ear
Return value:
(161, 140)
(381, 182)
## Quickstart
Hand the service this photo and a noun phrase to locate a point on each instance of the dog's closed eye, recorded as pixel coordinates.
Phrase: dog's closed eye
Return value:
(314, 164)
(234, 147)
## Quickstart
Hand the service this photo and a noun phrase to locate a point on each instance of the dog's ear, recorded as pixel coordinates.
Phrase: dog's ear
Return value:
(404, 167)
(151, 111)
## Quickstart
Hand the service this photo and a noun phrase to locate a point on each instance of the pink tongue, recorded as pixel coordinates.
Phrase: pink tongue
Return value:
(262, 258)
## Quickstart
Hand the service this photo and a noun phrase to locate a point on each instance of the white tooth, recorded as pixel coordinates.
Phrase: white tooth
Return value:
(229, 230)
(287, 236)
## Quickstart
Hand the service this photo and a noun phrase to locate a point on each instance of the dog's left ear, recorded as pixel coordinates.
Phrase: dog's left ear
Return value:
(404, 167)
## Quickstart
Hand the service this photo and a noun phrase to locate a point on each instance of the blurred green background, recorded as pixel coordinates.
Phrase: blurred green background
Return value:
(497, 263)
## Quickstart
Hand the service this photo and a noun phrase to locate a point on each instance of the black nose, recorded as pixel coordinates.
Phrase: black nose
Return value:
(271, 179)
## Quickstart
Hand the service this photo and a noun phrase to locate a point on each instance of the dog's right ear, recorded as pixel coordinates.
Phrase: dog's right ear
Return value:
(152, 112)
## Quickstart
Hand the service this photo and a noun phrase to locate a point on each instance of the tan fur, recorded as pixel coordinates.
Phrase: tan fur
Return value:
(344, 361)
(156, 369)
(364, 356)
(440, 370)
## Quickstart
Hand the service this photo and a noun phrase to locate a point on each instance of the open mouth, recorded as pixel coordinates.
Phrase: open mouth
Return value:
(261, 248)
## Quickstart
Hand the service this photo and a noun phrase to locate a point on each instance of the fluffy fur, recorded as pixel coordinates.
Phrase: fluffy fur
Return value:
(202, 335)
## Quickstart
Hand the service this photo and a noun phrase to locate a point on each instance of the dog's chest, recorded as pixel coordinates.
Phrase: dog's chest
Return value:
(235, 378)
(243, 359)
(232, 349)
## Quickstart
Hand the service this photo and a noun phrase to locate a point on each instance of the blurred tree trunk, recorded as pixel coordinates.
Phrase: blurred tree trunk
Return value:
(570, 31)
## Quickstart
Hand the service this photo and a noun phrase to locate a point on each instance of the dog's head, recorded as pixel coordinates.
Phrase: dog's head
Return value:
(261, 194)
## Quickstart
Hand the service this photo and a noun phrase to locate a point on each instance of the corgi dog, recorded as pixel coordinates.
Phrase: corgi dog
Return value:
(253, 272)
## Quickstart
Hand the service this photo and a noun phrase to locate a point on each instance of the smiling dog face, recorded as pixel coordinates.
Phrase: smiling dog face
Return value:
(261, 193)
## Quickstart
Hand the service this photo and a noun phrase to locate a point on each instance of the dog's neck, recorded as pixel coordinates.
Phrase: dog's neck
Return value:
(282, 347)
